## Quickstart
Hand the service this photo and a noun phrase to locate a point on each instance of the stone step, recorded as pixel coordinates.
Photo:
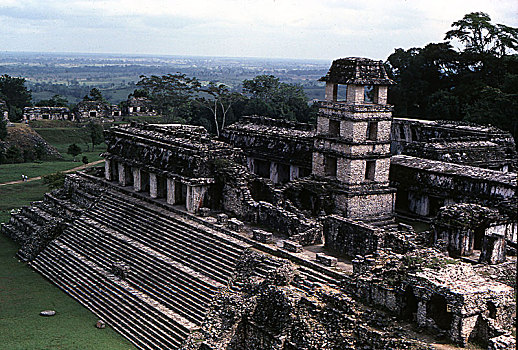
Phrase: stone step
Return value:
(209, 235)
(181, 235)
(181, 254)
(167, 236)
(176, 298)
(72, 265)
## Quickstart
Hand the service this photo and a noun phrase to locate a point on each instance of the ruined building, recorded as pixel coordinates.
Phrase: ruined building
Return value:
(96, 110)
(47, 113)
(282, 236)
(139, 106)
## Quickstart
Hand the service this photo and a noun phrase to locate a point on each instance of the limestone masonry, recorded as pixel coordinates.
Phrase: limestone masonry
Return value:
(280, 235)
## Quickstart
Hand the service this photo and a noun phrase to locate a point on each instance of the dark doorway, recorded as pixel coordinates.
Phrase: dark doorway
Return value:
(434, 204)
(402, 202)
(262, 168)
(478, 238)
(180, 193)
(330, 166)
(437, 310)
(334, 127)
(93, 114)
(283, 171)
(409, 310)
(144, 181)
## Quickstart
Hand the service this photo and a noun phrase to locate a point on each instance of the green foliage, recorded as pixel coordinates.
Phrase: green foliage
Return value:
(94, 95)
(96, 133)
(418, 262)
(54, 181)
(55, 101)
(74, 150)
(15, 95)
(271, 98)
(479, 84)
(3, 128)
(480, 36)
(13, 155)
(171, 94)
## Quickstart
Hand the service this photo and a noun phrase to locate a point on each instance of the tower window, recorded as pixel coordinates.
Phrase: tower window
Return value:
(372, 131)
(370, 170)
(334, 127)
(330, 166)
(368, 94)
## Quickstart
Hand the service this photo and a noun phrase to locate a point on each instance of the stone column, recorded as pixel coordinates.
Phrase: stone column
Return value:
(274, 173)
(331, 92)
(250, 164)
(122, 174)
(421, 314)
(493, 249)
(137, 186)
(153, 186)
(294, 172)
(195, 197)
(171, 188)
(107, 169)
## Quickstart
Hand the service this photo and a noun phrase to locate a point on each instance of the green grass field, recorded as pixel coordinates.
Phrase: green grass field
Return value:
(24, 293)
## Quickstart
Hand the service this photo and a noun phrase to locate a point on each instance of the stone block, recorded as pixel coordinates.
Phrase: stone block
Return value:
(222, 218)
(291, 246)
(263, 236)
(235, 225)
(204, 212)
(326, 259)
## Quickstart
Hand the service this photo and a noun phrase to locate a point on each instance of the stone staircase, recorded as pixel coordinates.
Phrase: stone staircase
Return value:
(175, 268)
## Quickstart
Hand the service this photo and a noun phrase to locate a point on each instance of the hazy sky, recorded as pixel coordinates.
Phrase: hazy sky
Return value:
(262, 28)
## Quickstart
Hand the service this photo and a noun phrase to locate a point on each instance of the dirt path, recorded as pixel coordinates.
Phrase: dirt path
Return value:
(66, 171)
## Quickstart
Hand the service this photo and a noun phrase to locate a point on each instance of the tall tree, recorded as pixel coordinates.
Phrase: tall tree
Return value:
(15, 94)
(219, 102)
(96, 133)
(74, 150)
(171, 94)
(94, 95)
(271, 98)
(480, 36)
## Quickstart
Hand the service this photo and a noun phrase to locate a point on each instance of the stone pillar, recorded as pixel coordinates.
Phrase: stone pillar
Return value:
(153, 186)
(331, 92)
(171, 188)
(294, 172)
(137, 186)
(122, 174)
(493, 249)
(355, 94)
(274, 173)
(460, 241)
(195, 197)
(250, 164)
(421, 314)
(107, 169)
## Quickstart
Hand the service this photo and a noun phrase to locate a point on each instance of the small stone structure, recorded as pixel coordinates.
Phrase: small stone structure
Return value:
(139, 106)
(47, 113)
(4, 111)
(95, 110)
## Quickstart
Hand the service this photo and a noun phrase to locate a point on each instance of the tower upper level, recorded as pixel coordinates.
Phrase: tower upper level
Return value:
(366, 81)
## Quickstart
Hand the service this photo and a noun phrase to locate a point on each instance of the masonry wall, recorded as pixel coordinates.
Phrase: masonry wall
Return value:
(351, 238)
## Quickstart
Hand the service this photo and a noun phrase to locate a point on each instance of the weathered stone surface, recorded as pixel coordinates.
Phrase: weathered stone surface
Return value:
(100, 324)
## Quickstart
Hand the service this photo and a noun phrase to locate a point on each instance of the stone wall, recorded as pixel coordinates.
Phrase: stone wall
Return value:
(456, 142)
(50, 113)
(351, 238)
(426, 185)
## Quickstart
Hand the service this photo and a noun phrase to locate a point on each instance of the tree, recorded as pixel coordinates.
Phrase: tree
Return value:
(84, 160)
(55, 101)
(171, 94)
(3, 128)
(480, 36)
(74, 150)
(221, 100)
(94, 95)
(96, 133)
(271, 98)
(15, 95)
(54, 181)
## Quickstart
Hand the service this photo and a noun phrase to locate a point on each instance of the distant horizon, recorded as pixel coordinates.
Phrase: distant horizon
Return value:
(115, 54)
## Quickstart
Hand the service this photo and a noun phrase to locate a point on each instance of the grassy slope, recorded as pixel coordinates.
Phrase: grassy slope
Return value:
(24, 293)
(60, 138)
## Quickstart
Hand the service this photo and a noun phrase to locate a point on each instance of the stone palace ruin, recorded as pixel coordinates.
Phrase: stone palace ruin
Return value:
(279, 235)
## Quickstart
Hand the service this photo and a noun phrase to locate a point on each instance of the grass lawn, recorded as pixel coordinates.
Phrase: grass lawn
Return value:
(12, 172)
(24, 293)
